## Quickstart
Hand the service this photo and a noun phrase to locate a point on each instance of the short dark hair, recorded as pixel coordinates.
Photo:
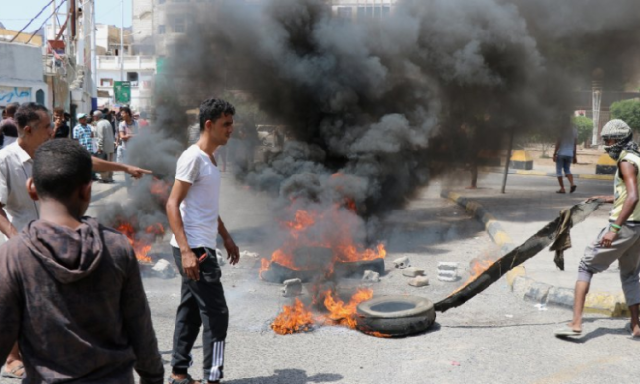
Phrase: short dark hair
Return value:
(27, 113)
(126, 109)
(58, 111)
(213, 109)
(60, 167)
(12, 108)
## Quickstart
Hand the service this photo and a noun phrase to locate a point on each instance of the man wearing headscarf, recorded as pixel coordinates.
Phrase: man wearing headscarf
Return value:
(620, 239)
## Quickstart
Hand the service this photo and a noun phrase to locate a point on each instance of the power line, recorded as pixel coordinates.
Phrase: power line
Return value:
(45, 20)
(31, 21)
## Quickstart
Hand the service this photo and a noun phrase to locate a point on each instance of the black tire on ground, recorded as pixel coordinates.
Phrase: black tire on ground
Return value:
(395, 315)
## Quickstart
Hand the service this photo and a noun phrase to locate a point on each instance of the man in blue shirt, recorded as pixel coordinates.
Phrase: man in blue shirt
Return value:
(82, 132)
(565, 155)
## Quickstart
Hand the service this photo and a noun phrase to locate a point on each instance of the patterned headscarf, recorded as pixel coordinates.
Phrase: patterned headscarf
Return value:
(618, 130)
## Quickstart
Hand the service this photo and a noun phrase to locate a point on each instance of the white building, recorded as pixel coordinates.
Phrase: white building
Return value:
(21, 75)
(139, 70)
(362, 9)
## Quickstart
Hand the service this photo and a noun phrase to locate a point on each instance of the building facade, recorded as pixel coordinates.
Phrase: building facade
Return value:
(21, 75)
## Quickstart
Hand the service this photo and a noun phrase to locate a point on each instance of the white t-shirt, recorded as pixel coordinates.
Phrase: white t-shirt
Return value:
(15, 169)
(127, 129)
(199, 209)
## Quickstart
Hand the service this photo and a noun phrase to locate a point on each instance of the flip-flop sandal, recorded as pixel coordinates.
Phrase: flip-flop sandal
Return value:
(573, 188)
(627, 327)
(566, 332)
(12, 374)
(560, 191)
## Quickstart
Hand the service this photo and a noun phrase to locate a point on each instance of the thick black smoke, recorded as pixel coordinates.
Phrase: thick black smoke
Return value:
(372, 105)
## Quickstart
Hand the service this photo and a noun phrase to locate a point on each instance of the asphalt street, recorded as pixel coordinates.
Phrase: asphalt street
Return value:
(494, 338)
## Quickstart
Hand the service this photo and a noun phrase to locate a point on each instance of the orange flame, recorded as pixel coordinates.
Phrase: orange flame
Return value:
(477, 267)
(344, 314)
(327, 229)
(141, 247)
(294, 318)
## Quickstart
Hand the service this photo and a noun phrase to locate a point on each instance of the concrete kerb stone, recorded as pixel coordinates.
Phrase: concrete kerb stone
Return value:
(547, 174)
(604, 303)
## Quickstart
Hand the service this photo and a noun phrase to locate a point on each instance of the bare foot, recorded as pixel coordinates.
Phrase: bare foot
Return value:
(636, 331)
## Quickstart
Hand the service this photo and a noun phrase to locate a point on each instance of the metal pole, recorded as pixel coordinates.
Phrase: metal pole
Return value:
(122, 41)
(53, 20)
(506, 166)
(94, 66)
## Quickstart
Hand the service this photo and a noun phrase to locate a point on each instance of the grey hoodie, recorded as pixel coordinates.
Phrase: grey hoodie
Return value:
(75, 302)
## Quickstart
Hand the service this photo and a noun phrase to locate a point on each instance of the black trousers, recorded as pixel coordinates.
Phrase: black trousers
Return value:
(202, 303)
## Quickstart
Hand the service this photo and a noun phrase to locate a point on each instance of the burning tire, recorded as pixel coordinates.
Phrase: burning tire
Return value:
(395, 316)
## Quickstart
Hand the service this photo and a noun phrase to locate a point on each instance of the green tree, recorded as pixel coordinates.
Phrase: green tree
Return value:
(585, 128)
(627, 110)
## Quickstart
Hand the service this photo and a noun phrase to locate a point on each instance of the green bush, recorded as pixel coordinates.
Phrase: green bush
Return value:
(585, 128)
(627, 110)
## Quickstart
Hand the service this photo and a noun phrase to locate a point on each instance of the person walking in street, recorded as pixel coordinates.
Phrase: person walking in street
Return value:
(90, 320)
(193, 212)
(105, 143)
(8, 128)
(564, 155)
(60, 127)
(82, 132)
(127, 129)
(16, 207)
(620, 239)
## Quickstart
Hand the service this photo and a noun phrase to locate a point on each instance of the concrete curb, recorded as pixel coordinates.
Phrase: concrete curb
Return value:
(604, 303)
(548, 174)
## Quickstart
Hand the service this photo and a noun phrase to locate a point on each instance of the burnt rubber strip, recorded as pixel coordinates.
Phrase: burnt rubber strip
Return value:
(517, 256)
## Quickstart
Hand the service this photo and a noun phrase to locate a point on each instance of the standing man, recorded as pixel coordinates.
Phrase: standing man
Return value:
(105, 141)
(127, 129)
(82, 132)
(564, 155)
(60, 128)
(193, 212)
(71, 288)
(17, 209)
(620, 240)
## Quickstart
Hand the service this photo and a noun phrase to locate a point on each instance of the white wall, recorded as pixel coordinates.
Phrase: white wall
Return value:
(21, 74)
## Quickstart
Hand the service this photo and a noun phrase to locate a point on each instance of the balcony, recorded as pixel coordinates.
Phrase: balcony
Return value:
(130, 63)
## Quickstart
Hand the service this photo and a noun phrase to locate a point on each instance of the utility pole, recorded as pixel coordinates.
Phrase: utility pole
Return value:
(53, 20)
(122, 41)
(94, 66)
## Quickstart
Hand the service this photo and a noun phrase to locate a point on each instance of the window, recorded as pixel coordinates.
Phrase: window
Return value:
(106, 82)
(40, 96)
(161, 1)
(377, 11)
(178, 24)
(162, 29)
(132, 76)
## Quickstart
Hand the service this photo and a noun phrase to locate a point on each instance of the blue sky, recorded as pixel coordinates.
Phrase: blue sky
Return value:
(16, 14)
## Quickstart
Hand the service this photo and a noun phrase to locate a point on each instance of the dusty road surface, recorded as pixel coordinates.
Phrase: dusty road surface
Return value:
(494, 338)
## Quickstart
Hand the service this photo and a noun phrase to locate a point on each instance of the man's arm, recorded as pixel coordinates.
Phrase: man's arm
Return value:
(5, 225)
(139, 327)
(100, 165)
(630, 175)
(189, 259)
(555, 151)
(100, 131)
(575, 151)
(233, 253)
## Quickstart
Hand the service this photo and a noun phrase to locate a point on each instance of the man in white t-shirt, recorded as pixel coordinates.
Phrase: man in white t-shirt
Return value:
(193, 212)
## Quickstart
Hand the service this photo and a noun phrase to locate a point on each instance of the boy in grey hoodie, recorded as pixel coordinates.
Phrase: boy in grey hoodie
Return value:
(71, 291)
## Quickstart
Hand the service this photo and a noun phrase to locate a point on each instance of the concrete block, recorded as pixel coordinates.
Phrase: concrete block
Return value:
(292, 287)
(371, 277)
(448, 265)
(537, 292)
(164, 269)
(521, 159)
(515, 272)
(413, 272)
(605, 303)
(521, 286)
(561, 297)
(448, 276)
(419, 281)
(402, 262)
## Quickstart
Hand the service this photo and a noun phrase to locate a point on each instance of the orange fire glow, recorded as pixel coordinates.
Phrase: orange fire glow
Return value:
(141, 246)
(294, 318)
(160, 188)
(477, 267)
(328, 229)
(298, 318)
(344, 314)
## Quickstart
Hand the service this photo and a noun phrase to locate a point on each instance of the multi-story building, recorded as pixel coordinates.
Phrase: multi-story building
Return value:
(362, 9)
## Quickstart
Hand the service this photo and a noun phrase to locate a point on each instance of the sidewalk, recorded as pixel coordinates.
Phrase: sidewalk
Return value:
(529, 204)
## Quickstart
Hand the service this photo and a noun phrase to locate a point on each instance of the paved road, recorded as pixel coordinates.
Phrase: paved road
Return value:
(494, 338)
